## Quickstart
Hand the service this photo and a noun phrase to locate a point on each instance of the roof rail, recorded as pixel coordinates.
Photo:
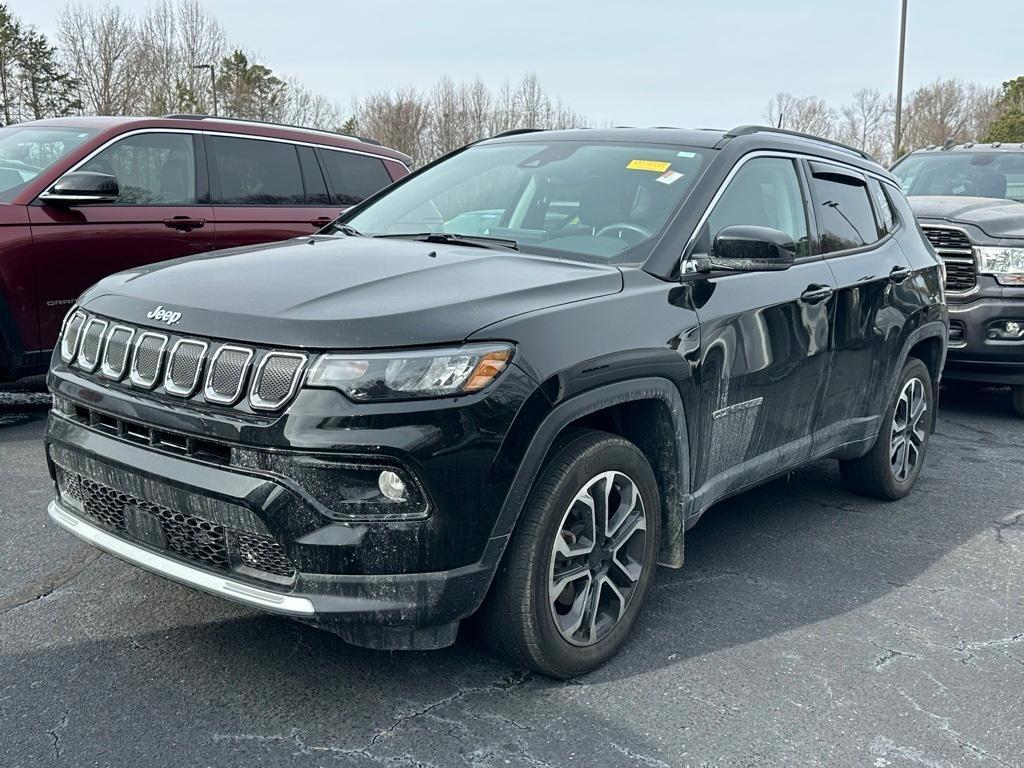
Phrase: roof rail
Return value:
(515, 132)
(242, 121)
(746, 130)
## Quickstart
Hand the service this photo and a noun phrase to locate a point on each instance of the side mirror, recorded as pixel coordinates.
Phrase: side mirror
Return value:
(82, 187)
(750, 249)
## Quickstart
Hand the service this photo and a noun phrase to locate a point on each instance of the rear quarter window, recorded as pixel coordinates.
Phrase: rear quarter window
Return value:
(354, 177)
(843, 212)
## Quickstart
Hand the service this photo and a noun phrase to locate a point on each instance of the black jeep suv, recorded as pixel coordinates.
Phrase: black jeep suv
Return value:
(970, 201)
(505, 386)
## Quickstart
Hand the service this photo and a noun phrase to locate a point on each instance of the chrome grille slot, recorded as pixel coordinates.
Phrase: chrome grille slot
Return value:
(226, 377)
(954, 248)
(71, 335)
(92, 344)
(276, 379)
(184, 367)
(115, 355)
(148, 359)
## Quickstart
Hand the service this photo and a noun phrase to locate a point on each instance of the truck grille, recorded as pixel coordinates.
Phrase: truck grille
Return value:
(87, 344)
(190, 537)
(954, 248)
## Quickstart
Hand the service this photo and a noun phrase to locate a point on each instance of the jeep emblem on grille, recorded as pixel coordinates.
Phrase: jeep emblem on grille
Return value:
(164, 315)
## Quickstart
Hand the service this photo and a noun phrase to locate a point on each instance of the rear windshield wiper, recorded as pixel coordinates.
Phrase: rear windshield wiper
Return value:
(450, 238)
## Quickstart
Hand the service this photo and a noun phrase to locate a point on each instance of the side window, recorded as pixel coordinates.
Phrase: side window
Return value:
(843, 211)
(355, 177)
(886, 214)
(255, 172)
(765, 192)
(151, 168)
(313, 178)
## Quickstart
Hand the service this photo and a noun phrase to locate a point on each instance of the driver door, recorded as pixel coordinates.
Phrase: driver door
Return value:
(158, 216)
(764, 337)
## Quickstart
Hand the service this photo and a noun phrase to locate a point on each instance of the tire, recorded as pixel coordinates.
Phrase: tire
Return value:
(519, 618)
(1018, 400)
(886, 472)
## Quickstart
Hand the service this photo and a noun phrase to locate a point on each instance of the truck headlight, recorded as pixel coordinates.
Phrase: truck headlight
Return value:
(411, 374)
(1005, 264)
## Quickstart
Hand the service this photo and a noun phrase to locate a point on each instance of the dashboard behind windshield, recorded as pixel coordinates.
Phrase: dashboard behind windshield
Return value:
(595, 202)
(27, 151)
(997, 174)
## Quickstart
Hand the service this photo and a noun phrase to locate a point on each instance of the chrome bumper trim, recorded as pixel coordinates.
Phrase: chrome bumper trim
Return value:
(178, 571)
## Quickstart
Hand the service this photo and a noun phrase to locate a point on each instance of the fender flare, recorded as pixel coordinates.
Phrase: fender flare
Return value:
(933, 329)
(676, 497)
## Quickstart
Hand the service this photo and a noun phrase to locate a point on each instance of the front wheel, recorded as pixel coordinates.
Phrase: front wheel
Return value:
(580, 563)
(892, 466)
(1018, 400)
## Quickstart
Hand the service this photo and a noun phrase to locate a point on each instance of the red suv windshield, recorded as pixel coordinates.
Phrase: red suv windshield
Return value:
(27, 151)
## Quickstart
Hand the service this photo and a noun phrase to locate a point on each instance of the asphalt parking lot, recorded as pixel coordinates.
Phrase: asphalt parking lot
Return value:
(809, 627)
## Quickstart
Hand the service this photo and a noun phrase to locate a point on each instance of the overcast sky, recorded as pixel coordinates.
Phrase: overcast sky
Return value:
(635, 62)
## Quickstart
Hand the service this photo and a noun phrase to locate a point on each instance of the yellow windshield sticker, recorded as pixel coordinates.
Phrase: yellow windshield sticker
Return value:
(658, 166)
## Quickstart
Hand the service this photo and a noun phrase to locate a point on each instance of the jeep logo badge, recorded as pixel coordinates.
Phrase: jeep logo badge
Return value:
(164, 315)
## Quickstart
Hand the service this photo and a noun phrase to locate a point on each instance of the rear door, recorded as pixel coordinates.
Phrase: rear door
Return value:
(158, 216)
(265, 190)
(854, 224)
(764, 337)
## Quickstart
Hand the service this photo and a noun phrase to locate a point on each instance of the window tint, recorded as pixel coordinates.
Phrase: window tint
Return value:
(843, 212)
(255, 172)
(355, 177)
(151, 168)
(886, 213)
(765, 192)
(313, 178)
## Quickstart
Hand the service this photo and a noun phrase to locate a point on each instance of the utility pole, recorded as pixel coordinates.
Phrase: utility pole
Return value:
(898, 139)
(213, 82)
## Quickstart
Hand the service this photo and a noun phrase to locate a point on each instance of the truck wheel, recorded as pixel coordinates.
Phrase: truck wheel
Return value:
(890, 469)
(580, 563)
(1018, 400)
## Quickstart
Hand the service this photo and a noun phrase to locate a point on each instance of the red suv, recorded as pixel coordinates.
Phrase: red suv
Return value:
(81, 198)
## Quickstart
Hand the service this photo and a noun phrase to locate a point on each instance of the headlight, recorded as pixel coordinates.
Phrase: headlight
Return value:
(1006, 264)
(409, 374)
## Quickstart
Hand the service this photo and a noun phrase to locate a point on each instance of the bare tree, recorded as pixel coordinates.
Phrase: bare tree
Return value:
(201, 41)
(304, 107)
(806, 114)
(398, 119)
(102, 52)
(948, 110)
(867, 122)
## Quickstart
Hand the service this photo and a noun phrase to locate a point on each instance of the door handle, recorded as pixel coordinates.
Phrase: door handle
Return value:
(899, 274)
(184, 223)
(321, 221)
(815, 293)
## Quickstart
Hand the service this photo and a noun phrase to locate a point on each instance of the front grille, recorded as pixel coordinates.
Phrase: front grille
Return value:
(276, 379)
(954, 248)
(115, 355)
(181, 366)
(184, 367)
(148, 359)
(201, 541)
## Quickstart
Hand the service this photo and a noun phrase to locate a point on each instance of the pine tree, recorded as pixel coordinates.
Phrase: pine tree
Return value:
(249, 91)
(44, 88)
(10, 43)
(1009, 126)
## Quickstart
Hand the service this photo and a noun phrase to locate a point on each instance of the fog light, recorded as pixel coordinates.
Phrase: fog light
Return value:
(1011, 330)
(391, 485)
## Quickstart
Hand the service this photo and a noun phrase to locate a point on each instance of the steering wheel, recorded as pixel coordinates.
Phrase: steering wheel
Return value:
(637, 234)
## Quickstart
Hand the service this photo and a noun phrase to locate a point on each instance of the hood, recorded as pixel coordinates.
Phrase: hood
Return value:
(346, 292)
(995, 217)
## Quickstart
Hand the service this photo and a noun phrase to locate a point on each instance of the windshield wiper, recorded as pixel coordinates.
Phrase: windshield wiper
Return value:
(346, 229)
(450, 238)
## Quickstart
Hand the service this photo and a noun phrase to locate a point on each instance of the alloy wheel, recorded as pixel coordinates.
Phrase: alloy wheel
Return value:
(908, 430)
(597, 558)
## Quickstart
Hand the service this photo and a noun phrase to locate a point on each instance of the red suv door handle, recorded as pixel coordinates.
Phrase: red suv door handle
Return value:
(321, 222)
(184, 223)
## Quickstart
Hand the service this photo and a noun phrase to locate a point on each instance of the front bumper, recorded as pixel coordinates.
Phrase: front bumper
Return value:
(180, 500)
(973, 355)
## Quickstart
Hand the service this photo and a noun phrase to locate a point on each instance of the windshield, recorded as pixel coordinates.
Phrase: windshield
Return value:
(964, 174)
(27, 151)
(574, 199)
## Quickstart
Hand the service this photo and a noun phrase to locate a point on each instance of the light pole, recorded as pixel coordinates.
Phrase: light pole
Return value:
(213, 83)
(898, 139)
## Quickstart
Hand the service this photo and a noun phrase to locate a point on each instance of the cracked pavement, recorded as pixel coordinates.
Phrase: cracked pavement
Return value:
(808, 627)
